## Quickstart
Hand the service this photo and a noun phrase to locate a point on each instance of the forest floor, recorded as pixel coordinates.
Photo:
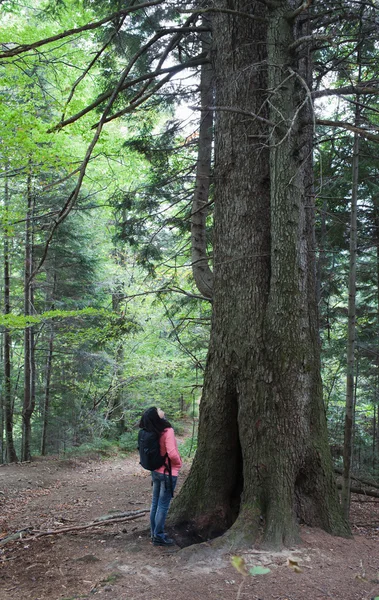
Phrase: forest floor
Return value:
(118, 562)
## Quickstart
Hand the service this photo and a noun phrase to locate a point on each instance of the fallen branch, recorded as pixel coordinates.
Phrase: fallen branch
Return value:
(360, 479)
(355, 490)
(104, 520)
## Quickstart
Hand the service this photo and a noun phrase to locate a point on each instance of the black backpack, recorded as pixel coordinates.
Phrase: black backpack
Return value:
(150, 457)
(149, 450)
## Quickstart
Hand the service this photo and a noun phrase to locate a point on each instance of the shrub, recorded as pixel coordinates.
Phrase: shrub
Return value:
(128, 441)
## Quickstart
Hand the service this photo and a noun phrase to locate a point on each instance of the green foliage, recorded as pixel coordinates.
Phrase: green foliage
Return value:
(128, 441)
(98, 446)
(12, 321)
(187, 449)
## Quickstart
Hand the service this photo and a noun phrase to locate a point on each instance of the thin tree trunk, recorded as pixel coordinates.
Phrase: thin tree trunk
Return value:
(29, 370)
(11, 455)
(2, 409)
(376, 213)
(350, 385)
(202, 272)
(373, 438)
(48, 373)
(46, 402)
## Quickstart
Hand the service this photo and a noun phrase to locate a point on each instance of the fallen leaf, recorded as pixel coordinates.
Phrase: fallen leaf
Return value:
(239, 564)
(258, 570)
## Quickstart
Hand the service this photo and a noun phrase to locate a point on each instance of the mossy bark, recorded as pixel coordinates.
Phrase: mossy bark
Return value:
(263, 462)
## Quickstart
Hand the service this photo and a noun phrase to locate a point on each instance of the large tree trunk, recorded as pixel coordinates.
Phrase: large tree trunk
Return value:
(263, 454)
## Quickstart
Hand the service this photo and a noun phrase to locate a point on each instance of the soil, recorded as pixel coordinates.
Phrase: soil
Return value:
(118, 562)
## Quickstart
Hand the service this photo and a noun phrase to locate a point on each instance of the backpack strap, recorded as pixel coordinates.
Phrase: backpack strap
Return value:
(167, 469)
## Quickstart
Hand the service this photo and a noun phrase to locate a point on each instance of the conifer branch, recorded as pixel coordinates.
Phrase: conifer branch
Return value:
(228, 11)
(359, 130)
(366, 89)
(194, 62)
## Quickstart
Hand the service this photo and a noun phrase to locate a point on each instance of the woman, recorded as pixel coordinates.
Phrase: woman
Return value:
(153, 420)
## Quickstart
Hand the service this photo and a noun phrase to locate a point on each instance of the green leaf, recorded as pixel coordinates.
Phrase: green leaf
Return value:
(239, 564)
(257, 570)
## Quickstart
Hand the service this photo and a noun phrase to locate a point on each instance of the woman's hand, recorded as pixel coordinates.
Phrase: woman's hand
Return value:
(160, 413)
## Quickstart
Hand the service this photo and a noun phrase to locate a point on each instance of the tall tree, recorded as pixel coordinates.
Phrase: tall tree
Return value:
(262, 393)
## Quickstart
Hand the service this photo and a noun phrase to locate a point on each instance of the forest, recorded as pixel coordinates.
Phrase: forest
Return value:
(189, 206)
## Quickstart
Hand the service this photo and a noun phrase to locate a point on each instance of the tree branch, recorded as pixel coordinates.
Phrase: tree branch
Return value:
(304, 6)
(233, 110)
(89, 67)
(349, 89)
(310, 38)
(228, 11)
(360, 479)
(195, 62)
(359, 130)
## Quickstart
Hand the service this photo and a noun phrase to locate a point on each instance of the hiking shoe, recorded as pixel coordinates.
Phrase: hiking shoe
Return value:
(163, 541)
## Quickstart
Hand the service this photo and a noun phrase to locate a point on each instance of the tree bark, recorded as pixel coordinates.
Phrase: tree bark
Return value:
(202, 272)
(46, 402)
(29, 369)
(11, 455)
(263, 454)
(351, 341)
(48, 371)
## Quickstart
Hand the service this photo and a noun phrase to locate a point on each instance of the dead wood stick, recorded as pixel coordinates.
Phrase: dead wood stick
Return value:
(119, 515)
(106, 520)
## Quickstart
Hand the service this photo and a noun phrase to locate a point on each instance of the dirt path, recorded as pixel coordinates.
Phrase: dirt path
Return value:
(118, 562)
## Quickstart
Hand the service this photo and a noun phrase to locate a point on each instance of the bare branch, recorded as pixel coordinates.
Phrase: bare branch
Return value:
(304, 6)
(233, 110)
(310, 38)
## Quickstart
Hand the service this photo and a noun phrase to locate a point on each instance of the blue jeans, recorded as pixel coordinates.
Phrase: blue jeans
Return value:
(160, 503)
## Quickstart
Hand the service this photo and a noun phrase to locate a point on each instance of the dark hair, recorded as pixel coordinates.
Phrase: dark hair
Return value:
(151, 421)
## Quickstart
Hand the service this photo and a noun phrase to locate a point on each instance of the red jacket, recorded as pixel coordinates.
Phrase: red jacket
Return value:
(168, 444)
